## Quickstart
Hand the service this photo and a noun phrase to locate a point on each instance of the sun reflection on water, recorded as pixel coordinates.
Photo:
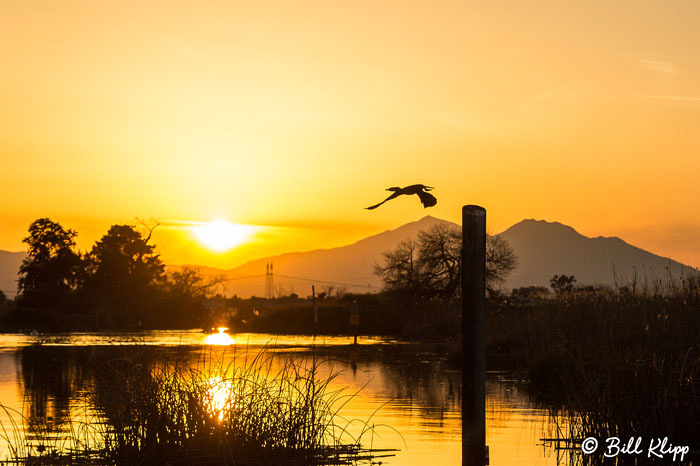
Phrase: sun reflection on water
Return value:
(220, 338)
(219, 397)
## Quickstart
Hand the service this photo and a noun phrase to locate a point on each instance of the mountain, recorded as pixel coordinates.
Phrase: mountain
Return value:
(348, 265)
(9, 265)
(351, 266)
(543, 249)
(548, 248)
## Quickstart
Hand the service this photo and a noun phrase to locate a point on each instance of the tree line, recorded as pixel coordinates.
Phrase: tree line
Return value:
(120, 282)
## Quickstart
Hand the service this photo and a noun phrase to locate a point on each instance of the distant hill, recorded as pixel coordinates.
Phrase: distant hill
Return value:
(346, 265)
(543, 248)
(548, 248)
(9, 266)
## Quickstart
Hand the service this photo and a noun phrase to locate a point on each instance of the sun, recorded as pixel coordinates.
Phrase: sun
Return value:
(221, 235)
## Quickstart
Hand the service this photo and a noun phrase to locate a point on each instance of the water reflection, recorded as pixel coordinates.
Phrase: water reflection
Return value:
(417, 391)
(221, 338)
(49, 383)
(219, 396)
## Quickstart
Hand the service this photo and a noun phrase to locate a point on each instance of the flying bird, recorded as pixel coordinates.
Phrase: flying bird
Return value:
(421, 190)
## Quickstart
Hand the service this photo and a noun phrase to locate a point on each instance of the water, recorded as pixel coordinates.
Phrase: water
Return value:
(411, 395)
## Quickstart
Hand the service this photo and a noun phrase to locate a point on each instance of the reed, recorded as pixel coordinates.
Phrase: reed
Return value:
(259, 409)
(624, 363)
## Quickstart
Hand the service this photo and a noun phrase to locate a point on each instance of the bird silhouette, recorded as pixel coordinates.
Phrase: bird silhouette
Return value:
(421, 190)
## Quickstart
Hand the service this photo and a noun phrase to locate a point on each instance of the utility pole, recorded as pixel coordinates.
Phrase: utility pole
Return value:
(269, 281)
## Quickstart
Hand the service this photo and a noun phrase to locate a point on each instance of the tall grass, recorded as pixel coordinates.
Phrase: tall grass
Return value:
(253, 410)
(626, 362)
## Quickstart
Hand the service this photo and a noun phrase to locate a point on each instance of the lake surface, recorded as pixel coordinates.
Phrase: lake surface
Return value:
(411, 395)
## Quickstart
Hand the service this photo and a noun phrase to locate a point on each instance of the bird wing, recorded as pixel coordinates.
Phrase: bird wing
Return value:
(387, 199)
(427, 199)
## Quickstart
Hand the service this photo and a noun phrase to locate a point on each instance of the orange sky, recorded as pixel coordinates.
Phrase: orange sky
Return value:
(298, 114)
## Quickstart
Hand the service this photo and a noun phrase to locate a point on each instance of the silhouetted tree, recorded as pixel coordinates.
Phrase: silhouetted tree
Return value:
(185, 292)
(125, 274)
(439, 257)
(562, 284)
(49, 275)
(431, 264)
(400, 271)
(187, 283)
(3, 298)
(500, 261)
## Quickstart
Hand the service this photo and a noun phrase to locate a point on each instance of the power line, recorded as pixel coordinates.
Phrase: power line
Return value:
(329, 282)
(354, 285)
(244, 278)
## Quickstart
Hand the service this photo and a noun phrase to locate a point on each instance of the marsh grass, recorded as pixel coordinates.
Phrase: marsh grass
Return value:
(261, 409)
(28, 442)
(623, 363)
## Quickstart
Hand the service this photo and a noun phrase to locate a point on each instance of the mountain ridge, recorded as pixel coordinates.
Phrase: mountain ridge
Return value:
(538, 243)
(603, 260)
(544, 248)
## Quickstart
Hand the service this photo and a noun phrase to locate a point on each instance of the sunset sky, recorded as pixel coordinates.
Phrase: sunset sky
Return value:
(294, 116)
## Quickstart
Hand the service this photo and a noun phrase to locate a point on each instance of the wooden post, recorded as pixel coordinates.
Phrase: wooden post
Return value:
(313, 293)
(354, 319)
(473, 330)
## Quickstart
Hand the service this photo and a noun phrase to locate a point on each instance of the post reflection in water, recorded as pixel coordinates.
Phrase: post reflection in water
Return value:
(409, 394)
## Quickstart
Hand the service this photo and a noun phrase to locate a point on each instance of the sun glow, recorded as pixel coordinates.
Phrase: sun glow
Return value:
(220, 338)
(221, 235)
